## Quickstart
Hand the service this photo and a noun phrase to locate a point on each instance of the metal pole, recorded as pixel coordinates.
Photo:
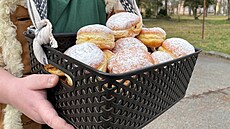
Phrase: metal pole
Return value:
(204, 13)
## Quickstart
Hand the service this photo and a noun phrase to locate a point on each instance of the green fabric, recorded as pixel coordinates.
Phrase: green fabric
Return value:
(67, 16)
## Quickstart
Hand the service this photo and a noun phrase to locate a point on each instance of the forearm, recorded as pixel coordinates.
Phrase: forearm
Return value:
(5, 81)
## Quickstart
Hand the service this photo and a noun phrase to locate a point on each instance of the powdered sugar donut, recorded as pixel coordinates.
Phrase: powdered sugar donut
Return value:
(87, 53)
(128, 60)
(160, 57)
(98, 34)
(177, 47)
(124, 24)
(152, 37)
(127, 43)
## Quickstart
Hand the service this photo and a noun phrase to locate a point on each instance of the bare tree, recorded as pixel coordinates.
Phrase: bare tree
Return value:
(229, 10)
(166, 7)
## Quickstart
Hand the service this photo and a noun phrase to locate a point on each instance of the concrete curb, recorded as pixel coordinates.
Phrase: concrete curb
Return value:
(217, 54)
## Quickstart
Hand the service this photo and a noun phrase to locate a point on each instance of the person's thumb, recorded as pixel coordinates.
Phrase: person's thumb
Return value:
(41, 81)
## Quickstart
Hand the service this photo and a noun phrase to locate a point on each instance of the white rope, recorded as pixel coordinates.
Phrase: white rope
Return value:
(43, 35)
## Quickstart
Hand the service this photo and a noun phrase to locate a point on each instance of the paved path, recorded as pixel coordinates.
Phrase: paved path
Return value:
(207, 101)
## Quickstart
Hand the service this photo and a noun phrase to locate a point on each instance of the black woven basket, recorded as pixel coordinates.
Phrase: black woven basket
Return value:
(101, 100)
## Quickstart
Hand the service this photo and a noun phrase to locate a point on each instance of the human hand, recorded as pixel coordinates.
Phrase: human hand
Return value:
(28, 95)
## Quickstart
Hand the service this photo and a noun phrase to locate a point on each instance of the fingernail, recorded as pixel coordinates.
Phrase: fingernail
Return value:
(52, 80)
(70, 126)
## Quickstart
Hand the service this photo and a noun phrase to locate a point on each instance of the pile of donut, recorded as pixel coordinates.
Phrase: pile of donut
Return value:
(123, 45)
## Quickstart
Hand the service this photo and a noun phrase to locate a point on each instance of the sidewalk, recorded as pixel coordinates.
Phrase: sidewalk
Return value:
(207, 101)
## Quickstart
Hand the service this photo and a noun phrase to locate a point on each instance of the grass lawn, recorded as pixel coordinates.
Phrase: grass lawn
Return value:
(216, 34)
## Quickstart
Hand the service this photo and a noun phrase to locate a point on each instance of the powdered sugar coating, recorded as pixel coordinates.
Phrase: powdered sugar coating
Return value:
(127, 43)
(123, 20)
(95, 28)
(178, 47)
(87, 53)
(160, 57)
(128, 60)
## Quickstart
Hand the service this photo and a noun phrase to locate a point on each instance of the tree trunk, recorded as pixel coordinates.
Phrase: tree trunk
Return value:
(190, 10)
(214, 9)
(218, 8)
(228, 9)
(166, 7)
(156, 7)
(225, 8)
(195, 13)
